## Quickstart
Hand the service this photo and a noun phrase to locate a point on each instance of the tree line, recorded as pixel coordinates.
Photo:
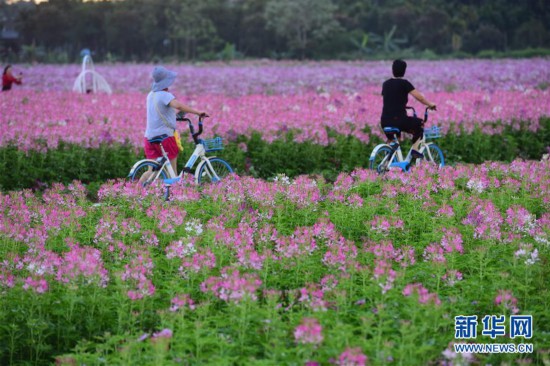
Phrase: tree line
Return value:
(150, 30)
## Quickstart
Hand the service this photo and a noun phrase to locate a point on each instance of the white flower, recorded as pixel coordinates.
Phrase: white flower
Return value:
(475, 185)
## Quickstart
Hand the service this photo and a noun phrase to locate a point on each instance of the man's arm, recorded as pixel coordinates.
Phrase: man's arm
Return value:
(418, 96)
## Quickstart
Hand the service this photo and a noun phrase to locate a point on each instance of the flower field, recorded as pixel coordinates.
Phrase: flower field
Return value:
(366, 270)
(349, 268)
(275, 98)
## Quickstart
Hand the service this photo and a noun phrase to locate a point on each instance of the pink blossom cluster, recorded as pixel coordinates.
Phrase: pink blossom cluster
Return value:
(424, 296)
(527, 253)
(137, 274)
(313, 297)
(203, 260)
(248, 250)
(451, 242)
(519, 219)
(385, 250)
(309, 332)
(231, 286)
(352, 357)
(485, 219)
(386, 225)
(40, 120)
(85, 263)
(451, 277)
(182, 301)
(289, 77)
(506, 299)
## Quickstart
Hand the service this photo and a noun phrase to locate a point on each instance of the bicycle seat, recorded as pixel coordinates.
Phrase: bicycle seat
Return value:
(391, 130)
(157, 139)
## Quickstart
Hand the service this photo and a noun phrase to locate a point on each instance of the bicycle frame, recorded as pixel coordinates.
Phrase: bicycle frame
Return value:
(198, 153)
(396, 157)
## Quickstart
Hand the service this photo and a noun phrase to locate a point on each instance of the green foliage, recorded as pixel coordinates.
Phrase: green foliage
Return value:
(81, 322)
(141, 30)
(257, 157)
(301, 21)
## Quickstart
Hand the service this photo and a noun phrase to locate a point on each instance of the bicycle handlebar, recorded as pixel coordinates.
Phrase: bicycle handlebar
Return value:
(425, 112)
(180, 117)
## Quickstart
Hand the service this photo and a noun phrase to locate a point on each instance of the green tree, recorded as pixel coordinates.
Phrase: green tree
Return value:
(301, 21)
(531, 33)
(191, 33)
(433, 31)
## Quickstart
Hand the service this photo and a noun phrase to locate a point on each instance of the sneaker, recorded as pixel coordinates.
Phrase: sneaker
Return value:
(417, 154)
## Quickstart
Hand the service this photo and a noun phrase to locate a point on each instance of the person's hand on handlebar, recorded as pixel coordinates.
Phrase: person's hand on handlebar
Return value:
(432, 107)
(202, 115)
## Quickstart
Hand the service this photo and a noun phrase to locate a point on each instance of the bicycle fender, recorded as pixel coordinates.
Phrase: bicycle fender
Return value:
(375, 150)
(139, 163)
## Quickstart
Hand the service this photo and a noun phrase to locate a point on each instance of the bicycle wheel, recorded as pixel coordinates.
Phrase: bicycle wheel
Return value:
(433, 154)
(220, 166)
(141, 169)
(382, 160)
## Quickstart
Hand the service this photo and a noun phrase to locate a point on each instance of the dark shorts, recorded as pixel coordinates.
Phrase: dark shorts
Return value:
(153, 151)
(408, 124)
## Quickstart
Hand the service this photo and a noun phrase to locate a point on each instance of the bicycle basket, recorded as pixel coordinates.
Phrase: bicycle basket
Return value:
(432, 132)
(214, 144)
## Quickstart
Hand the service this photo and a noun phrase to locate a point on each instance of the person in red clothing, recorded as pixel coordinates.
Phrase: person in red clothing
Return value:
(8, 78)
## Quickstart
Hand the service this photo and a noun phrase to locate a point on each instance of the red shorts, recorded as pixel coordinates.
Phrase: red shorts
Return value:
(153, 151)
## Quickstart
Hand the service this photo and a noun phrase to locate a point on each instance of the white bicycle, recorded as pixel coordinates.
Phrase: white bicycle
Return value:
(209, 168)
(389, 156)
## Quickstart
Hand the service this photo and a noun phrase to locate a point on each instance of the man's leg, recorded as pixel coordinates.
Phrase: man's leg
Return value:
(416, 128)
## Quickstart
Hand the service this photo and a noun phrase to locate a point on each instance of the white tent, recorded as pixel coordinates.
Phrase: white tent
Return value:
(90, 80)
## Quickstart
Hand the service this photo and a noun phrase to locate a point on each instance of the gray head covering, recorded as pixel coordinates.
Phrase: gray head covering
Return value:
(163, 78)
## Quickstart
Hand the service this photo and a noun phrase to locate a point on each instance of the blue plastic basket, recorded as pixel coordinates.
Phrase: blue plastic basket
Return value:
(432, 132)
(214, 144)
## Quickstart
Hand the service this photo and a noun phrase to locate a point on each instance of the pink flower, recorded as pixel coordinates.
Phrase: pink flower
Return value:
(519, 219)
(486, 220)
(424, 296)
(452, 240)
(308, 332)
(202, 260)
(446, 210)
(312, 296)
(136, 274)
(385, 225)
(505, 299)
(455, 359)
(181, 301)
(39, 285)
(434, 253)
(526, 252)
(165, 333)
(352, 357)
(231, 286)
(452, 277)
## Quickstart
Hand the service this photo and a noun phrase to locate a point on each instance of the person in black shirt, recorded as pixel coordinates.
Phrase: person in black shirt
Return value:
(395, 93)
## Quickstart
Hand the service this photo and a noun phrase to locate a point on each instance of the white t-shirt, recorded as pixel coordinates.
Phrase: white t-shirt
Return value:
(157, 105)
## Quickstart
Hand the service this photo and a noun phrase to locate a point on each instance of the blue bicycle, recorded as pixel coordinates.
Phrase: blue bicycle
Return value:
(385, 157)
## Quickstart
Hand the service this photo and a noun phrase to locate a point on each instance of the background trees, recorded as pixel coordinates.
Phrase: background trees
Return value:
(146, 30)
